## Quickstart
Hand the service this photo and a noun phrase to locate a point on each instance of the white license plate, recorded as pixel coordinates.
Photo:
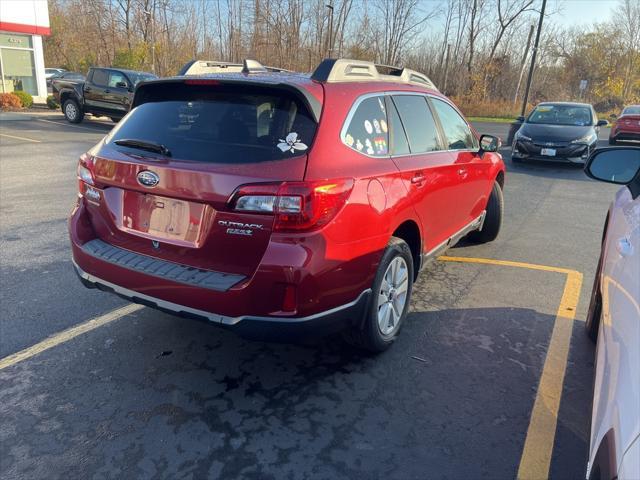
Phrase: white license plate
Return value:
(549, 152)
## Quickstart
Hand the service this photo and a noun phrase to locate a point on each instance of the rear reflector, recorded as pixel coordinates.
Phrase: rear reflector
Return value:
(297, 206)
(289, 302)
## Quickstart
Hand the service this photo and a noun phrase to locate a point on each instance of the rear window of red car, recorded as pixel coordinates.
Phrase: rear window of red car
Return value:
(222, 124)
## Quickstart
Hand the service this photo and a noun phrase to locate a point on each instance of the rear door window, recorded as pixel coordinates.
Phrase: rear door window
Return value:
(367, 130)
(457, 132)
(398, 137)
(418, 123)
(100, 77)
(221, 124)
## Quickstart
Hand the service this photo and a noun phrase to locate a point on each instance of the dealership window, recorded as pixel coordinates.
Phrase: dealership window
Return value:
(17, 65)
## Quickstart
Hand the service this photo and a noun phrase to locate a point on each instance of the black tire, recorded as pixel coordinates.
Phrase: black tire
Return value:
(594, 313)
(493, 218)
(72, 111)
(612, 141)
(368, 336)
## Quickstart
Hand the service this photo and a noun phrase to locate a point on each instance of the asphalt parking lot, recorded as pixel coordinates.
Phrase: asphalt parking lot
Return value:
(491, 377)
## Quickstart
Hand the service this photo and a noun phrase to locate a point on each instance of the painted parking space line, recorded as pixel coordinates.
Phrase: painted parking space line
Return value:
(69, 334)
(15, 137)
(67, 124)
(538, 446)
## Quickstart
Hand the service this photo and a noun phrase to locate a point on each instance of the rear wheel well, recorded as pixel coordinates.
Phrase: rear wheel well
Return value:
(500, 179)
(410, 233)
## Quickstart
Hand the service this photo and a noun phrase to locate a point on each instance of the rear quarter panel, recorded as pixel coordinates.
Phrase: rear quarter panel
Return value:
(379, 202)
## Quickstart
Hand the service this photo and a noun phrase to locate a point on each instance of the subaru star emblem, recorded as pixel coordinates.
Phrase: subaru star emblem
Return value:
(148, 178)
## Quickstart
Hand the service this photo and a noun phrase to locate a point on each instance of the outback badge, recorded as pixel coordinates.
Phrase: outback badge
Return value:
(147, 178)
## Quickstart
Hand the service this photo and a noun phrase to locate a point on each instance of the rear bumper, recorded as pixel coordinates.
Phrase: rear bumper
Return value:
(622, 135)
(263, 328)
(299, 286)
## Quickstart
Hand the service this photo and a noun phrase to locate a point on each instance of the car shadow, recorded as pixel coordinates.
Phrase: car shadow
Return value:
(452, 397)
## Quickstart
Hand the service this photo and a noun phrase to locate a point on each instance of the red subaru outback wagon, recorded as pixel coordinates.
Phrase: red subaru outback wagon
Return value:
(284, 204)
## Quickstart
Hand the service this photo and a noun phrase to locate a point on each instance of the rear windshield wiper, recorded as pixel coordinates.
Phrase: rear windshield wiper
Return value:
(144, 145)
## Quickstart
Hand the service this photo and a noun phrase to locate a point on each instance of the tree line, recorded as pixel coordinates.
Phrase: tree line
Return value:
(474, 50)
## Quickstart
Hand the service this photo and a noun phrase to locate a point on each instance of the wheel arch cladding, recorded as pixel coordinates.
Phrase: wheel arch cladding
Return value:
(410, 233)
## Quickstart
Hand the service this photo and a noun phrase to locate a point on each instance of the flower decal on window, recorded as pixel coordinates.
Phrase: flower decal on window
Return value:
(291, 143)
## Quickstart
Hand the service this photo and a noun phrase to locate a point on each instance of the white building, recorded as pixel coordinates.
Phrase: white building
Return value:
(22, 25)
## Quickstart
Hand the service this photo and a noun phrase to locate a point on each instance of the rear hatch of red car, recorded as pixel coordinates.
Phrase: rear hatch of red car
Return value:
(629, 122)
(193, 175)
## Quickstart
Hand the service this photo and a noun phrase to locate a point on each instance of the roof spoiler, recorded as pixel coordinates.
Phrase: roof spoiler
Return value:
(151, 90)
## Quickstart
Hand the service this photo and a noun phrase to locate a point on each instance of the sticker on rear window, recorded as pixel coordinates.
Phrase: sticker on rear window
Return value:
(368, 127)
(291, 143)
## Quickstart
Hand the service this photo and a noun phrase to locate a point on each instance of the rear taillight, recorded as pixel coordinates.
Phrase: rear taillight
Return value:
(297, 206)
(85, 176)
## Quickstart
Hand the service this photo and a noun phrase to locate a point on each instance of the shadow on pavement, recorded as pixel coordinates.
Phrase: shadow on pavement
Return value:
(158, 396)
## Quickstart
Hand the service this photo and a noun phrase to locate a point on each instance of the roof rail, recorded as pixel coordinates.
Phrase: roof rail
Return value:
(248, 66)
(344, 70)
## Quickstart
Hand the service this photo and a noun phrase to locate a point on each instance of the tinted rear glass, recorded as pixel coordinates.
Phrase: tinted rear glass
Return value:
(100, 77)
(222, 125)
(418, 123)
(367, 131)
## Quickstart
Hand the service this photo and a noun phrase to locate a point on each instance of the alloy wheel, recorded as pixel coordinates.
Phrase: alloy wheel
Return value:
(392, 296)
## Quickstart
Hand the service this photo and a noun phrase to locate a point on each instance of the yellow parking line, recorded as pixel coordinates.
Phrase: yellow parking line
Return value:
(15, 137)
(67, 335)
(538, 445)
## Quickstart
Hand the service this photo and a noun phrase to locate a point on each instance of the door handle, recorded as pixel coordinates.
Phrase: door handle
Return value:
(417, 178)
(462, 172)
(624, 247)
(87, 89)
(107, 91)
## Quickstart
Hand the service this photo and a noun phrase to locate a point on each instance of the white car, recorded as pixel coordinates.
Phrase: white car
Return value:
(50, 72)
(613, 321)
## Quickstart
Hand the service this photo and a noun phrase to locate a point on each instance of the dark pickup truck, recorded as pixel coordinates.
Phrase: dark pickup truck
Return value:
(107, 92)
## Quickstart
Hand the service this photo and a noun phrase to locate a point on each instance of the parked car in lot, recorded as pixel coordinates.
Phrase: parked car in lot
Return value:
(106, 92)
(279, 203)
(613, 320)
(72, 76)
(557, 131)
(52, 72)
(627, 126)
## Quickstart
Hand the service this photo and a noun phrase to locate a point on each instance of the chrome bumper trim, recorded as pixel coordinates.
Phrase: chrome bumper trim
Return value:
(212, 317)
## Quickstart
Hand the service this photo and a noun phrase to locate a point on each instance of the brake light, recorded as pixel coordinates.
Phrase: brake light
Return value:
(200, 81)
(85, 176)
(297, 206)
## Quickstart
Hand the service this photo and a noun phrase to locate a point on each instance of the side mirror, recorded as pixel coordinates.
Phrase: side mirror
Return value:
(520, 119)
(489, 143)
(602, 123)
(616, 165)
(122, 85)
